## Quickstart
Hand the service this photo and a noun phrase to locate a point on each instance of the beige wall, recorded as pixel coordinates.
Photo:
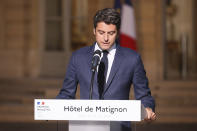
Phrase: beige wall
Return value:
(18, 55)
(12, 55)
(149, 34)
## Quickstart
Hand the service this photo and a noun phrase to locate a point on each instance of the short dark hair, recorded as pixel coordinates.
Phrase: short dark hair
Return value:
(109, 16)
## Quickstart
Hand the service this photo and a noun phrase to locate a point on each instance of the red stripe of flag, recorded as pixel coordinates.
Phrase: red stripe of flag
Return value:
(127, 41)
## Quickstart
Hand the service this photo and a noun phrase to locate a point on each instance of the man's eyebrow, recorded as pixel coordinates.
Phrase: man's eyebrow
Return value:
(112, 31)
(107, 32)
(101, 30)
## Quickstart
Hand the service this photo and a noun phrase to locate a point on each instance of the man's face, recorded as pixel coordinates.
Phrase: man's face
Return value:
(105, 35)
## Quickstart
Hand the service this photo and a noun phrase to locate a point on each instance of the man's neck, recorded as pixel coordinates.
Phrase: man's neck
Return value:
(98, 48)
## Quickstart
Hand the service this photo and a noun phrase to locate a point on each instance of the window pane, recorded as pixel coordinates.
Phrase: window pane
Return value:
(53, 35)
(79, 23)
(53, 8)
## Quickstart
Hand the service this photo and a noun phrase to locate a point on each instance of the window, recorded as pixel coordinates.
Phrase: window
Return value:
(54, 36)
(181, 45)
(53, 26)
(79, 26)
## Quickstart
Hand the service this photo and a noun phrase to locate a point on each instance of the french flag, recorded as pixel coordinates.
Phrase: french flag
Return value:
(127, 29)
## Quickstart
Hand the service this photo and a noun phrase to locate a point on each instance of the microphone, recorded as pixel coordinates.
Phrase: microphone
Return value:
(96, 59)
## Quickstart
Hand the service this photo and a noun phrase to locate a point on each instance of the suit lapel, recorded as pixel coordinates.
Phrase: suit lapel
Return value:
(115, 66)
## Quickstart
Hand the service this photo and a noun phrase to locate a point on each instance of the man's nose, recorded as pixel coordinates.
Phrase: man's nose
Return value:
(106, 37)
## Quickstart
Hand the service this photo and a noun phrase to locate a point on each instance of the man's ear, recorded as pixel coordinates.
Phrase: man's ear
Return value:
(118, 35)
(94, 31)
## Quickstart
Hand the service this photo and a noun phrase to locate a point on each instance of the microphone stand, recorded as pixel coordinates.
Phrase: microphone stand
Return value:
(92, 83)
(96, 59)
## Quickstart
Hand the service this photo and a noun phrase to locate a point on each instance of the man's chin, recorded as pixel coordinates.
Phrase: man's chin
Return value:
(105, 47)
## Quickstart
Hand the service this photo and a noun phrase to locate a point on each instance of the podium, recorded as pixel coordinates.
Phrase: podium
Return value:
(89, 115)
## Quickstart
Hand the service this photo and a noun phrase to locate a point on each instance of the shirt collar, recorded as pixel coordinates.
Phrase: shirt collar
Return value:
(109, 50)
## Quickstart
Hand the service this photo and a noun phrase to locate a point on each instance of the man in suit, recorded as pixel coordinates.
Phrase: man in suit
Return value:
(123, 68)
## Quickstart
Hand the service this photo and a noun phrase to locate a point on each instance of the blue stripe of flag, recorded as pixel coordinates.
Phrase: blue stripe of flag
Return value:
(128, 2)
(118, 4)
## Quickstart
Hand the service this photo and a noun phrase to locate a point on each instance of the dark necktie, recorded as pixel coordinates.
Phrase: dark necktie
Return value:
(102, 73)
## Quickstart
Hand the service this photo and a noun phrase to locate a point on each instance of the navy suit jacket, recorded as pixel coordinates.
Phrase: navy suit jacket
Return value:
(127, 69)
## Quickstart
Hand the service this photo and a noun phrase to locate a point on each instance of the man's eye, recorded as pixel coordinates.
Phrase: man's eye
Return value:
(101, 32)
(111, 33)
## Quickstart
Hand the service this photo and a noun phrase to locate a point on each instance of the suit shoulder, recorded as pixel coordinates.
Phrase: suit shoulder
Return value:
(129, 52)
(82, 51)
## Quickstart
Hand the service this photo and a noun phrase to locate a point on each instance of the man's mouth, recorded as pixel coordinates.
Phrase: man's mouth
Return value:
(105, 43)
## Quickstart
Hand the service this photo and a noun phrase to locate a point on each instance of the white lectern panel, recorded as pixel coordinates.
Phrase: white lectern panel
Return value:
(89, 110)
